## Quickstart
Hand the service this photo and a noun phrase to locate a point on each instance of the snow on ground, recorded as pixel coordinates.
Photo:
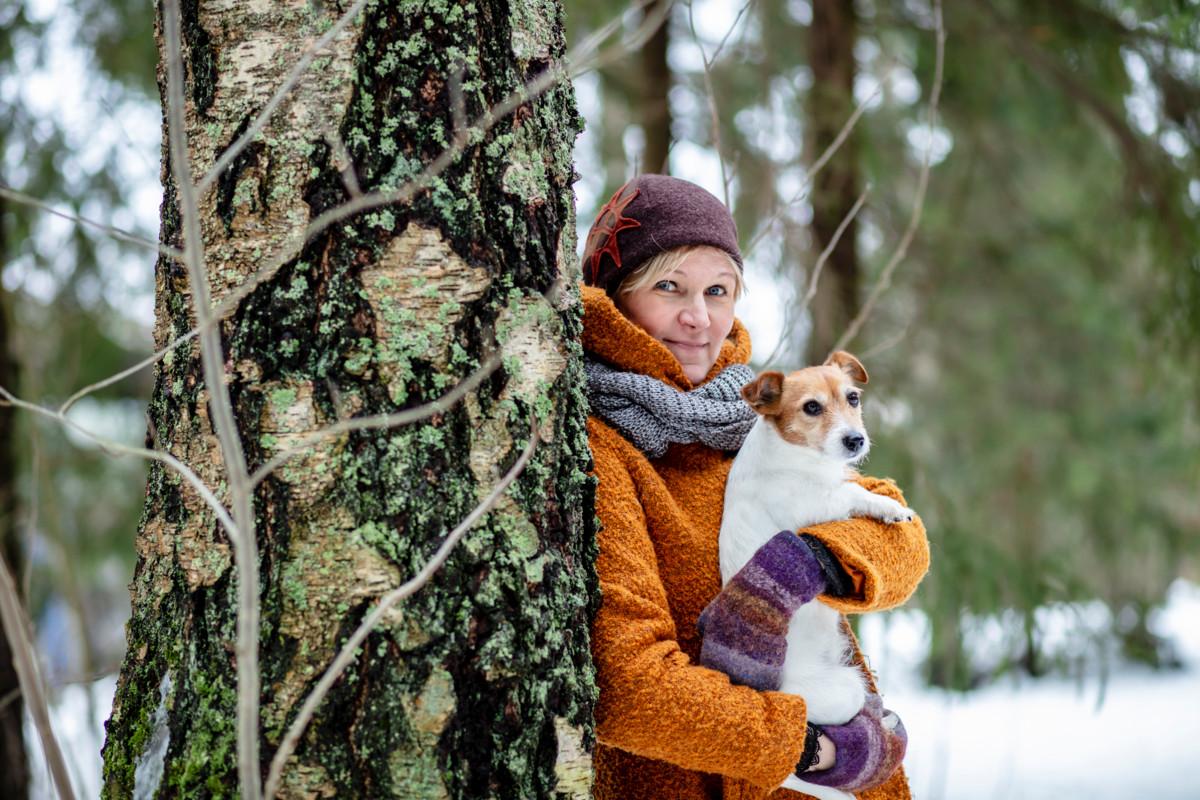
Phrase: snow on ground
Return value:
(1135, 736)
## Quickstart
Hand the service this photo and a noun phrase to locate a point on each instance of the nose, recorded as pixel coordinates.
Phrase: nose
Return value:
(695, 314)
(853, 442)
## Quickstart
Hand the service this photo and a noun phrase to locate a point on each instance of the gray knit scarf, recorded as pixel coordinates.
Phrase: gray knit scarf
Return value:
(652, 414)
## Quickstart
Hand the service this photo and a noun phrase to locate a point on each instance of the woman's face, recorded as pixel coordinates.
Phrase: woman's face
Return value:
(689, 310)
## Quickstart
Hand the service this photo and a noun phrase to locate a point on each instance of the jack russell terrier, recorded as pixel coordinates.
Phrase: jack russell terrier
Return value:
(795, 469)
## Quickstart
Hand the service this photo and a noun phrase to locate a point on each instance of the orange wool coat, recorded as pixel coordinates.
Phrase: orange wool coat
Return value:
(667, 727)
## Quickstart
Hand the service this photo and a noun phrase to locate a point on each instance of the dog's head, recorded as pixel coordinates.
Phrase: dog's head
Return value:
(816, 407)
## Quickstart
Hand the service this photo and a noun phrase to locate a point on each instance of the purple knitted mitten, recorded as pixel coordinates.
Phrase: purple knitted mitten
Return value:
(870, 747)
(745, 626)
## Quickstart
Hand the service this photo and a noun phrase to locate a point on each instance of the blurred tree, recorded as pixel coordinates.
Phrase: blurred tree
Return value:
(831, 39)
(14, 770)
(656, 91)
(480, 684)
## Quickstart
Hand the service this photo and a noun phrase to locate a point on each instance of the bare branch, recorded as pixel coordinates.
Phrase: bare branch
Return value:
(885, 277)
(382, 421)
(341, 155)
(721, 46)
(714, 119)
(458, 103)
(285, 88)
(116, 233)
(886, 344)
(812, 171)
(245, 545)
(798, 308)
(116, 448)
(347, 654)
(17, 628)
(125, 373)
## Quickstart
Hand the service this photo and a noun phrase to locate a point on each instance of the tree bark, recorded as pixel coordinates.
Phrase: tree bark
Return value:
(830, 103)
(14, 768)
(480, 685)
(656, 91)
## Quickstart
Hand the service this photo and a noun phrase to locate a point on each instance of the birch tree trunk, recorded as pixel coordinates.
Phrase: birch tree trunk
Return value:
(480, 685)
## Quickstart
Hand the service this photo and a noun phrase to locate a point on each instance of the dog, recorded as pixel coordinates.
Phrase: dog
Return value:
(795, 469)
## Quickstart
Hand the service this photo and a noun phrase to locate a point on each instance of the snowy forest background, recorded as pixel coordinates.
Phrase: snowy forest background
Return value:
(1035, 362)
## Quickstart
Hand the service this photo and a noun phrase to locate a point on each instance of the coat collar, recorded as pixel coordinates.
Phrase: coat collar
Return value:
(612, 337)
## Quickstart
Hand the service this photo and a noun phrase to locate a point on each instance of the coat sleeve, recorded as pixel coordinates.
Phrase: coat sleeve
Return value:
(654, 702)
(884, 562)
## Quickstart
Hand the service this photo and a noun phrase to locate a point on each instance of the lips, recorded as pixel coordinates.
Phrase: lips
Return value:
(687, 345)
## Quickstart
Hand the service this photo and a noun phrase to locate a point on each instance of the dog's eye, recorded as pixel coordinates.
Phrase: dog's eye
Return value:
(812, 408)
(852, 399)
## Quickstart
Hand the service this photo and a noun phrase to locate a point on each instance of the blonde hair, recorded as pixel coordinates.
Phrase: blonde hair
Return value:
(666, 262)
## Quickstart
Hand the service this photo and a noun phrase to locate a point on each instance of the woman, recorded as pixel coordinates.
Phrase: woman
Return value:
(666, 359)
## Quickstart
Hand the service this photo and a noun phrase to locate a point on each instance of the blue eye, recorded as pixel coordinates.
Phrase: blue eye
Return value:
(666, 286)
(716, 291)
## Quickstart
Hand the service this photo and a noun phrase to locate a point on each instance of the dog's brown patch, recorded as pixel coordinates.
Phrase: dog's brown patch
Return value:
(828, 385)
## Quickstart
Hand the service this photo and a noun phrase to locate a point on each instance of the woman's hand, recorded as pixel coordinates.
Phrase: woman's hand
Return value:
(826, 753)
(866, 750)
(745, 626)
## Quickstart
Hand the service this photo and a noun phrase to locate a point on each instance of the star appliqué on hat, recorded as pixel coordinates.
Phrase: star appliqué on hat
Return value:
(608, 224)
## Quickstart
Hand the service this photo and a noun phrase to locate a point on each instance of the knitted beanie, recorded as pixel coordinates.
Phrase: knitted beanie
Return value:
(650, 215)
(745, 626)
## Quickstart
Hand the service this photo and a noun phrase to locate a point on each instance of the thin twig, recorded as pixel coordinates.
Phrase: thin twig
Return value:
(116, 233)
(382, 421)
(812, 171)
(714, 118)
(347, 654)
(125, 373)
(886, 344)
(341, 154)
(17, 628)
(116, 448)
(285, 88)
(721, 45)
(245, 545)
(885, 277)
(794, 309)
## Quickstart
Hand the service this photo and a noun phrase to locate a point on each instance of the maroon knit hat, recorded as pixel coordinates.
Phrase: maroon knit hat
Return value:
(650, 215)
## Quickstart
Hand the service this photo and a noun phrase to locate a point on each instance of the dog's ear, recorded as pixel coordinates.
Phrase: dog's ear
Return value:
(764, 393)
(847, 364)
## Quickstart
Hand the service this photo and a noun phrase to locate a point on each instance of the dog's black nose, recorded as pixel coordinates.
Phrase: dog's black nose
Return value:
(852, 442)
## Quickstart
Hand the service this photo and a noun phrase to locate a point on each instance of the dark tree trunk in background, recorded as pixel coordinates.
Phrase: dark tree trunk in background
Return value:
(480, 685)
(14, 769)
(656, 90)
(830, 103)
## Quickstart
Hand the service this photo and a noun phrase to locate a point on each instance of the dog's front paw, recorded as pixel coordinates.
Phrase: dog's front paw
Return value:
(903, 514)
(885, 509)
